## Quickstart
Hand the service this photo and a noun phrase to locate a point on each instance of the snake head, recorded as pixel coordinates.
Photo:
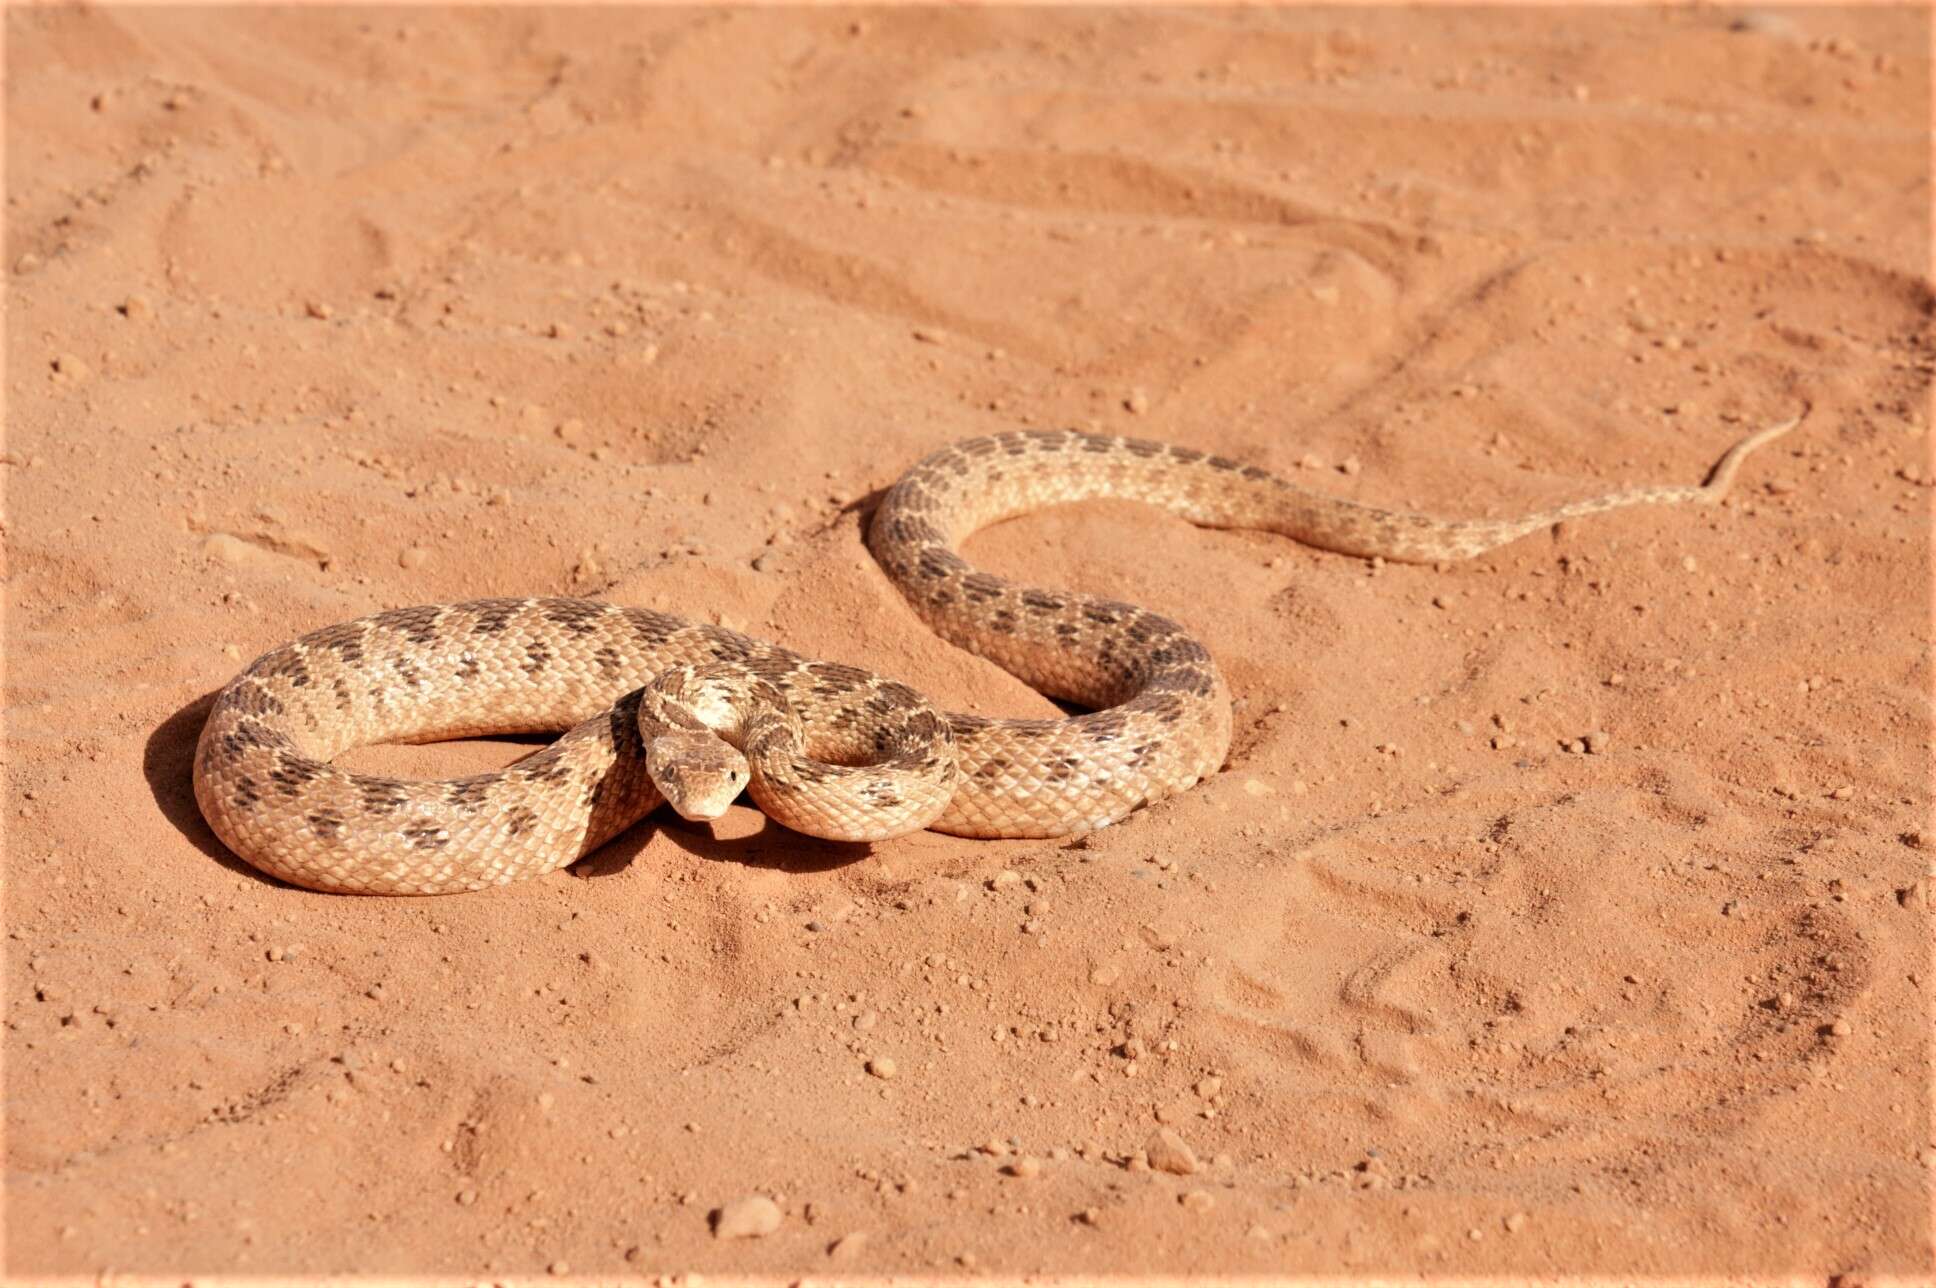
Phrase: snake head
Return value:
(698, 773)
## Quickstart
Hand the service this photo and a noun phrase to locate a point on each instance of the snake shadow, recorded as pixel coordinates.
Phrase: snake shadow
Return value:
(168, 764)
(773, 847)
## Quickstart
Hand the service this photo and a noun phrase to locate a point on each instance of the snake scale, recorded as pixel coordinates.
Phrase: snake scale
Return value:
(655, 707)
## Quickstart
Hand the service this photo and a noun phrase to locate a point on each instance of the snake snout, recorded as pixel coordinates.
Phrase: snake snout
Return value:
(699, 774)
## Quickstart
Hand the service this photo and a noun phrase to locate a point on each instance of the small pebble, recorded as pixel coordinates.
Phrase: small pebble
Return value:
(1766, 24)
(753, 1217)
(847, 1246)
(883, 1067)
(1025, 1168)
(1197, 1200)
(137, 308)
(1516, 1222)
(1137, 402)
(1841, 1028)
(413, 557)
(1597, 742)
(1167, 1152)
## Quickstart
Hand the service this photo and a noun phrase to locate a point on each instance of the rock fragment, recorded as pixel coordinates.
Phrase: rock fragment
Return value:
(753, 1217)
(1167, 1152)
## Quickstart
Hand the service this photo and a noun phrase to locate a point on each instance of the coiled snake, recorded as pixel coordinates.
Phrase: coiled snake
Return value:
(661, 708)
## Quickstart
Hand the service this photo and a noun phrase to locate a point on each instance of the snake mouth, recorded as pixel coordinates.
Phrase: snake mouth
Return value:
(700, 811)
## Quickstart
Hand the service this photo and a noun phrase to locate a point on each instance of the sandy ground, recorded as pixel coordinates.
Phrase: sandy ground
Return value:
(317, 313)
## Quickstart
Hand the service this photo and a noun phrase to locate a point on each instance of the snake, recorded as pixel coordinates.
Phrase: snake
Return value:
(655, 708)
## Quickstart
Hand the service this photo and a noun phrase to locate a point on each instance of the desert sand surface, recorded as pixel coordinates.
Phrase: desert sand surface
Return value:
(313, 313)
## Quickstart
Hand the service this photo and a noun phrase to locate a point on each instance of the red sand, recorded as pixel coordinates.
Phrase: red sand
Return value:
(319, 312)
